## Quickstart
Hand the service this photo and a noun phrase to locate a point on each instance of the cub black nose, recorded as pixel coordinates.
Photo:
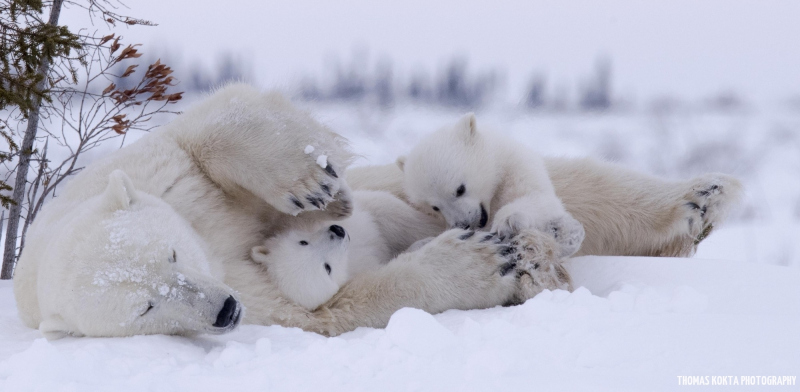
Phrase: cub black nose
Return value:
(338, 230)
(484, 217)
(227, 315)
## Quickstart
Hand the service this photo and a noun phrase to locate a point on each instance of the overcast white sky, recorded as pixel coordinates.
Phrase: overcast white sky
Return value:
(688, 48)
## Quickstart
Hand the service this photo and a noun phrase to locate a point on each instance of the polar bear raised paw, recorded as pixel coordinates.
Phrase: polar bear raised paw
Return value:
(322, 189)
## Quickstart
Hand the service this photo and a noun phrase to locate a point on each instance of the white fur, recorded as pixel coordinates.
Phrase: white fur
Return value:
(311, 263)
(505, 186)
(623, 212)
(217, 181)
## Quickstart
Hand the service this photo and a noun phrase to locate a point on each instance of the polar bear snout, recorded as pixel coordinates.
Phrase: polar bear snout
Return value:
(338, 231)
(230, 314)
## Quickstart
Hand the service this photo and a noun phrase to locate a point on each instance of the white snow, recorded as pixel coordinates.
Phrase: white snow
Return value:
(322, 161)
(634, 324)
(309, 149)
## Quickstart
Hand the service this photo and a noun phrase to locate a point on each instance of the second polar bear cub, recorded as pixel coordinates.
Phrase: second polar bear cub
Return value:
(474, 180)
(311, 262)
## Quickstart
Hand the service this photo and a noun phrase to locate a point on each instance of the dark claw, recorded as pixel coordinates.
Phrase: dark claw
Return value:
(467, 235)
(507, 267)
(488, 237)
(297, 202)
(694, 206)
(507, 250)
(326, 189)
(704, 234)
(536, 266)
(314, 201)
(329, 170)
(708, 191)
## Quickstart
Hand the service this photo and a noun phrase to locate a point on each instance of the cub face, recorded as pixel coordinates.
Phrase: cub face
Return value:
(309, 266)
(134, 267)
(453, 173)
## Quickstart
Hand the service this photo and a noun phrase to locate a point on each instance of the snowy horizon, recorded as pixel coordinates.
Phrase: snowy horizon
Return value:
(659, 49)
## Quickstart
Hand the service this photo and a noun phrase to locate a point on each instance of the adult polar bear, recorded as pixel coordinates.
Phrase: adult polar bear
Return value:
(156, 237)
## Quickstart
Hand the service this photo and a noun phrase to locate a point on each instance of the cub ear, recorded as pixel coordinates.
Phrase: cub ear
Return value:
(120, 192)
(259, 254)
(466, 127)
(54, 328)
(401, 163)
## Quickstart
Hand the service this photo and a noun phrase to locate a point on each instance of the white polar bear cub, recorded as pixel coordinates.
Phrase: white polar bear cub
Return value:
(310, 263)
(473, 179)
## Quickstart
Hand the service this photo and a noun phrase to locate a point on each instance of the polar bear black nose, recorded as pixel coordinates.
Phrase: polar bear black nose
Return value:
(338, 230)
(228, 314)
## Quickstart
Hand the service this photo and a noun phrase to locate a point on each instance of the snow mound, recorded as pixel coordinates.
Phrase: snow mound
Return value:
(418, 332)
(632, 324)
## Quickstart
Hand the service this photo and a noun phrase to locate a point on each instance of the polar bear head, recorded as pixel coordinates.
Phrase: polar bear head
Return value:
(125, 263)
(453, 172)
(309, 266)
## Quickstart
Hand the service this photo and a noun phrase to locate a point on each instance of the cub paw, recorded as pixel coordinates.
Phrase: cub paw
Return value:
(568, 233)
(565, 230)
(509, 223)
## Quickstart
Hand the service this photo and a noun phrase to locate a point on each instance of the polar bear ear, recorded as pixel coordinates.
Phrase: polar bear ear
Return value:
(120, 192)
(466, 127)
(259, 254)
(401, 163)
(54, 328)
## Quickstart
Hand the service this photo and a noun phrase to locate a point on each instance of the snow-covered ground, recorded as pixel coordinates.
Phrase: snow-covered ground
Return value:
(633, 323)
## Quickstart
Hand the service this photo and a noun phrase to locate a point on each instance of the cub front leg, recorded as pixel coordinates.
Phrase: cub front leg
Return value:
(545, 214)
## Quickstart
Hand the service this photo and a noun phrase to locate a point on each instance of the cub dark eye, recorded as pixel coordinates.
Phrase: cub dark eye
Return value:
(435, 208)
(460, 191)
(174, 258)
(328, 268)
(304, 243)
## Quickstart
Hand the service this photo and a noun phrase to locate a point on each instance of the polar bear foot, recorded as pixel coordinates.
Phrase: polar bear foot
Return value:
(503, 257)
(708, 201)
(539, 266)
(705, 204)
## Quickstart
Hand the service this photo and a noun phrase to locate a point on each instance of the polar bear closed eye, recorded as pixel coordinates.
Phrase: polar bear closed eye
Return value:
(474, 180)
(310, 264)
